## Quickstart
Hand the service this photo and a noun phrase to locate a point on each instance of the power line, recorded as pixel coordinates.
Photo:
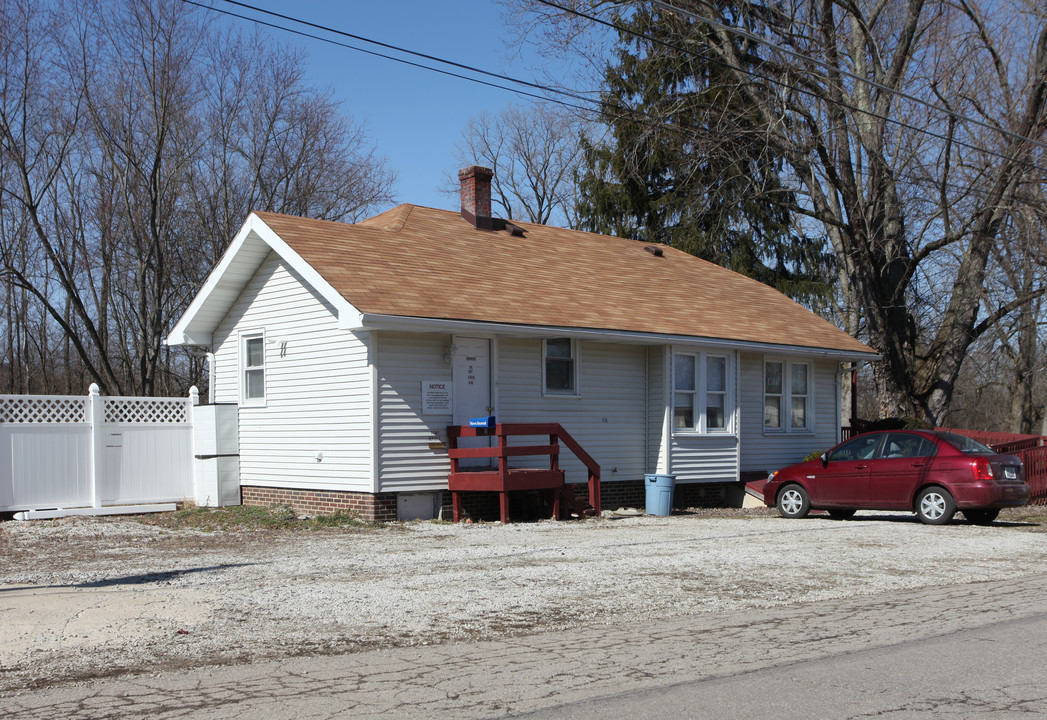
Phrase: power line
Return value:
(406, 51)
(845, 73)
(538, 86)
(591, 105)
(394, 58)
(794, 88)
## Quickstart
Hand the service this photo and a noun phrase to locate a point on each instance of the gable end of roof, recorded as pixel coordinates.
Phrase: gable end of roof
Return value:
(245, 254)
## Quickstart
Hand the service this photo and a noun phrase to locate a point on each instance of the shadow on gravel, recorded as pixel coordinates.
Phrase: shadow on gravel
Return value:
(142, 579)
(911, 518)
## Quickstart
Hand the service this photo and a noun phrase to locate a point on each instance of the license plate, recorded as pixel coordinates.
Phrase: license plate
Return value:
(1010, 473)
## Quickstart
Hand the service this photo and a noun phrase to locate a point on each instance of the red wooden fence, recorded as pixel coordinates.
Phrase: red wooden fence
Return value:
(1035, 462)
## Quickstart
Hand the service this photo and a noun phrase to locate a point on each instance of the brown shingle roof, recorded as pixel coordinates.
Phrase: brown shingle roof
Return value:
(421, 262)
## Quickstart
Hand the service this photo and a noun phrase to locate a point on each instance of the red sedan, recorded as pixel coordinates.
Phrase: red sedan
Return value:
(931, 473)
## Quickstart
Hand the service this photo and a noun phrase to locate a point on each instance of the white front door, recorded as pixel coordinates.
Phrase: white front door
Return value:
(471, 393)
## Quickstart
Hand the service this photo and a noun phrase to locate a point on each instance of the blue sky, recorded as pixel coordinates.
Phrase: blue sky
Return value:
(414, 116)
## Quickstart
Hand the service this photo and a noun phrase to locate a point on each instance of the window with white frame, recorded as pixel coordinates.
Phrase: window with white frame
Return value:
(715, 392)
(786, 395)
(701, 397)
(799, 395)
(252, 364)
(561, 366)
(772, 395)
(685, 369)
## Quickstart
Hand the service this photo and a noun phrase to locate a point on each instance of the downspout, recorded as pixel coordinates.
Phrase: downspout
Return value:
(211, 372)
(647, 408)
(853, 370)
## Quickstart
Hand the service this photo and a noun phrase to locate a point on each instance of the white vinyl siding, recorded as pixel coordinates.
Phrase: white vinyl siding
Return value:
(771, 450)
(704, 458)
(317, 387)
(608, 419)
(406, 463)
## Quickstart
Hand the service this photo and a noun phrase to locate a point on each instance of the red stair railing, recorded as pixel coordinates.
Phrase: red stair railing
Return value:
(506, 479)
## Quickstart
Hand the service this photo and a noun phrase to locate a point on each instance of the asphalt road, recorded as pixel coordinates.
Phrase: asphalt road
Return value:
(993, 670)
(954, 651)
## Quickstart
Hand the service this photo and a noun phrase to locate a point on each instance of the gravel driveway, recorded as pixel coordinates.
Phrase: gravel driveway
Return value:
(89, 597)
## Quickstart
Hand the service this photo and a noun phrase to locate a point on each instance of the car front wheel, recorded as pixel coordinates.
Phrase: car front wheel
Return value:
(794, 502)
(935, 506)
(981, 517)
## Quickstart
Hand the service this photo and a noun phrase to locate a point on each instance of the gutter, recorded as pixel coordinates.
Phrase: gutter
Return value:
(369, 321)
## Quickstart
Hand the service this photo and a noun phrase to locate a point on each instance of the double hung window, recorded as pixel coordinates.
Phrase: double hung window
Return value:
(701, 397)
(786, 395)
(252, 369)
(561, 366)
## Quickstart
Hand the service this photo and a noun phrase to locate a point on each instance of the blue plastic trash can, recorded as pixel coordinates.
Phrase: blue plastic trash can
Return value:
(659, 494)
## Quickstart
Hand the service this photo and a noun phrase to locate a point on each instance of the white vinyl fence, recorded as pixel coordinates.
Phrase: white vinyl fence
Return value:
(59, 451)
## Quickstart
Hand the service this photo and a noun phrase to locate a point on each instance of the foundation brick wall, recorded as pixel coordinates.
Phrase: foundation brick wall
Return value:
(633, 493)
(379, 507)
(477, 506)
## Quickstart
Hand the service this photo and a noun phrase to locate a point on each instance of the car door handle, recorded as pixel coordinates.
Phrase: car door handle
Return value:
(863, 466)
(920, 464)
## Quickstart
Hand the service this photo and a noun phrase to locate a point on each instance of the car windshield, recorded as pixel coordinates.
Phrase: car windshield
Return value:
(862, 447)
(966, 444)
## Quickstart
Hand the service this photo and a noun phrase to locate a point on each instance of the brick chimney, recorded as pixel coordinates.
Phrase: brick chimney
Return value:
(476, 196)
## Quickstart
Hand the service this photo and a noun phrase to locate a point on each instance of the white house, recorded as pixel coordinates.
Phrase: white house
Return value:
(349, 349)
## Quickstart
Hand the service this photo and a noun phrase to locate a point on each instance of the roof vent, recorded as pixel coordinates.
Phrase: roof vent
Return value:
(654, 250)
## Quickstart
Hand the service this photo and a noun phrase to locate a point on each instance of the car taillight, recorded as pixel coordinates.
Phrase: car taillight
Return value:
(982, 469)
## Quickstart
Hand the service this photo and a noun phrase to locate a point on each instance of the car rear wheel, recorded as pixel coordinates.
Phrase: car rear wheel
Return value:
(841, 514)
(794, 502)
(935, 506)
(981, 517)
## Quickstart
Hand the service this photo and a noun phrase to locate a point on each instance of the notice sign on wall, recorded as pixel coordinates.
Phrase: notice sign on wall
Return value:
(436, 397)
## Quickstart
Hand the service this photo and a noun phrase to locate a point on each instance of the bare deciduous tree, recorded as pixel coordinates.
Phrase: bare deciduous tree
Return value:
(134, 138)
(907, 131)
(534, 152)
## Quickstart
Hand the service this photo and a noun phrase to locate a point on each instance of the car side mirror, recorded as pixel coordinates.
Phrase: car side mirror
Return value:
(825, 460)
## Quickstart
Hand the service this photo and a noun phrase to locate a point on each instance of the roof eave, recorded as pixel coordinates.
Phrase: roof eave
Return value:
(372, 321)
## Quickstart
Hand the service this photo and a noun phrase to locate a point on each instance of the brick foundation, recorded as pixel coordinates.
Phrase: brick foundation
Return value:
(633, 493)
(371, 507)
(478, 506)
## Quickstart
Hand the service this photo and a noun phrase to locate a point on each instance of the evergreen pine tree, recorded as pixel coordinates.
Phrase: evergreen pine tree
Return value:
(669, 172)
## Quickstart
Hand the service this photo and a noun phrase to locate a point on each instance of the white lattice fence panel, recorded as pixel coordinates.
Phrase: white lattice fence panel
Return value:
(146, 410)
(26, 409)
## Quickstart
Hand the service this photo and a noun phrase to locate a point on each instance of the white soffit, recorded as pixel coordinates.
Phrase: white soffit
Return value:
(238, 265)
(372, 321)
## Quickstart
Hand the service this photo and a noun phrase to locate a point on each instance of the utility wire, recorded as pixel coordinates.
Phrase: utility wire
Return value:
(406, 51)
(845, 73)
(397, 59)
(794, 88)
(591, 105)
